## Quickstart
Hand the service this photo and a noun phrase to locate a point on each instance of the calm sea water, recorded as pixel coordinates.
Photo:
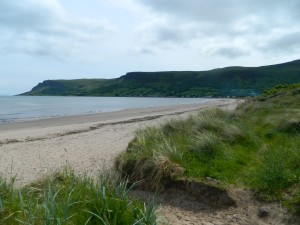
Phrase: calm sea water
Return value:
(20, 108)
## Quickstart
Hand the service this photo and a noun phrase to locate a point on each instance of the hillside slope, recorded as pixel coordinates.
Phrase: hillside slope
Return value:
(230, 81)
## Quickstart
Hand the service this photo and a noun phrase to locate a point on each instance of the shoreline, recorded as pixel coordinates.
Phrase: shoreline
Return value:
(96, 113)
(60, 106)
(9, 130)
(86, 143)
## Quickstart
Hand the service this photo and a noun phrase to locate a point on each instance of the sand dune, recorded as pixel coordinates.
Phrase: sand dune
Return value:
(90, 143)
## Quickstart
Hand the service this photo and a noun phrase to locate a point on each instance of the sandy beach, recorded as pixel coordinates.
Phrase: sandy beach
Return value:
(86, 143)
(89, 144)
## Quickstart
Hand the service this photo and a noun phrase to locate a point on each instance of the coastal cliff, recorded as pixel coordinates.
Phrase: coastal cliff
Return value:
(229, 81)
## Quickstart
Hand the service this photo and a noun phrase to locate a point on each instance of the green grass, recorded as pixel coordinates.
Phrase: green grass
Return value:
(69, 199)
(257, 145)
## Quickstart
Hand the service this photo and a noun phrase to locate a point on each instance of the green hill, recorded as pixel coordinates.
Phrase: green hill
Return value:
(230, 81)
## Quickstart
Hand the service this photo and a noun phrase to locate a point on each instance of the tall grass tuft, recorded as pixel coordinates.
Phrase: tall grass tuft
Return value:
(69, 199)
(213, 120)
(206, 143)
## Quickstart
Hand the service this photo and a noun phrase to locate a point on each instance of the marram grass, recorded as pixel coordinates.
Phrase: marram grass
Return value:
(69, 199)
(257, 145)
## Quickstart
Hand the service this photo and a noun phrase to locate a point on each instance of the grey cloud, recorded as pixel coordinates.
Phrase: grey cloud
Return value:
(204, 11)
(224, 22)
(165, 34)
(20, 14)
(170, 34)
(220, 10)
(230, 52)
(141, 51)
(173, 34)
(226, 15)
(43, 28)
(146, 51)
(286, 43)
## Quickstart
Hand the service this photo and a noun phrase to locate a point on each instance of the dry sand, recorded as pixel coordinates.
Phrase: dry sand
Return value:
(90, 143)
(87, 143)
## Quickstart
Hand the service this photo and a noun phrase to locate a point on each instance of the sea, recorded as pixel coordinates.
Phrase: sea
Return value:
(24, 108)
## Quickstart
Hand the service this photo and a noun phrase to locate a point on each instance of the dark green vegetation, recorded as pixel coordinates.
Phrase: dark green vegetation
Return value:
(67, 199)
(231, 81)
(257, 146)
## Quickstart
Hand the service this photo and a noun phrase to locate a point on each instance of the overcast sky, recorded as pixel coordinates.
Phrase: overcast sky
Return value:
(70, 39)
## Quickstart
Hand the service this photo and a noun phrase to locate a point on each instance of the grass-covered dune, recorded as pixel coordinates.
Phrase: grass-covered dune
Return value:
(230, 81)
(68, 199)
(257, 146)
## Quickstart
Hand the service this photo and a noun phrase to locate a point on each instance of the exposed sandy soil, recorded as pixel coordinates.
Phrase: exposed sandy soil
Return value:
(90, 143)
(180, 208)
